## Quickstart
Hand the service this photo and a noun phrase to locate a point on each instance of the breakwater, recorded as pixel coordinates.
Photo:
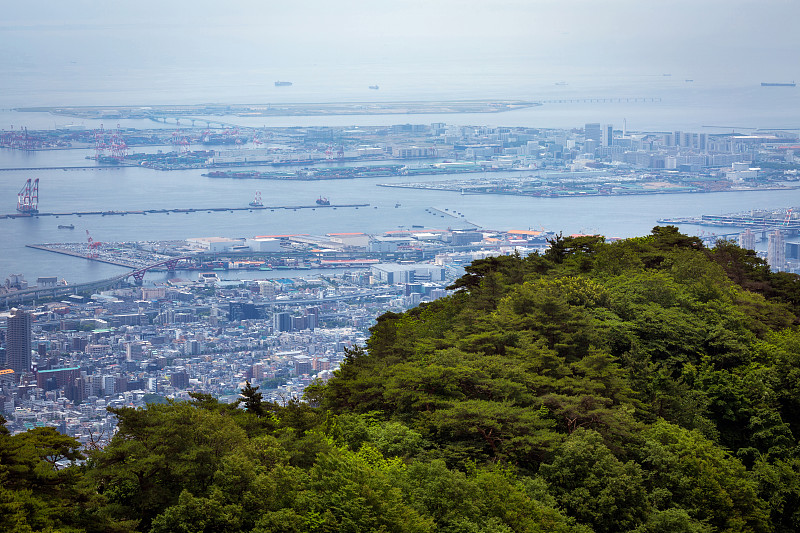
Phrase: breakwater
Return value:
(181, 210)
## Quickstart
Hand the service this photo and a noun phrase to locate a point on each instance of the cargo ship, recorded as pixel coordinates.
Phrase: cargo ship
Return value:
(283, 84)
(374, 87)
(66, 226)
(773, 84)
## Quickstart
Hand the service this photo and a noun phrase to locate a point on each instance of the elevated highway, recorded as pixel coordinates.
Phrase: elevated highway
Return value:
(60, 291)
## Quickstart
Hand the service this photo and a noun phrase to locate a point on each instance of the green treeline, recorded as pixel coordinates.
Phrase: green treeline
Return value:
(646, 385)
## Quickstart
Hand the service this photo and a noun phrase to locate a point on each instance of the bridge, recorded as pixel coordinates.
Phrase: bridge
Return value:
(607, 100)
(59, 291)
(171, 264)
(176, 119)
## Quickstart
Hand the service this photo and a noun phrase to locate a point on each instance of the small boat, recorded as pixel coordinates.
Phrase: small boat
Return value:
(323, 201)
(283, 84)
(66, 226)
(374, 87)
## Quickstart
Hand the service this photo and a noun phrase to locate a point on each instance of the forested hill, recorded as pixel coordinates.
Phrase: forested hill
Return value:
(645, 385)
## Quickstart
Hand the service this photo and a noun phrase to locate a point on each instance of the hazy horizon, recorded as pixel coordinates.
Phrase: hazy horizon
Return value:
(161, 52)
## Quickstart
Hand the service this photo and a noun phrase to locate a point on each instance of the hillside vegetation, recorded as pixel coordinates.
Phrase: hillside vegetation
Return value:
(645, 385)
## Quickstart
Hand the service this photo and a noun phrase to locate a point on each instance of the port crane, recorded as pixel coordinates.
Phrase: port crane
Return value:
(93, 246)
(100, 145)
(28, 197)
(257, 200)
(119, 149)
(180, 142)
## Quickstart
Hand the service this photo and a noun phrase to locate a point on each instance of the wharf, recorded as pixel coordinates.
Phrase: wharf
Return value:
(181, 210)
(57, 250)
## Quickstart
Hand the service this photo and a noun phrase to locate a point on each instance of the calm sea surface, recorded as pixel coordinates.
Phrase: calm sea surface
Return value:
(677, 105)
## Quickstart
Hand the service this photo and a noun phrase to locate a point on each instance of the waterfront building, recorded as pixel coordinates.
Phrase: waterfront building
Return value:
(18, 342)
(776, 252)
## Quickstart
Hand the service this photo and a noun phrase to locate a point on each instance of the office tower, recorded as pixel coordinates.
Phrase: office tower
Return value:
(747, 240)
(776, 252)
(592, 131)
(18, 342)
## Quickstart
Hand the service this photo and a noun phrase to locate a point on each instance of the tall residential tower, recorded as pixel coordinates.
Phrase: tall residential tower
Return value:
(18, 342)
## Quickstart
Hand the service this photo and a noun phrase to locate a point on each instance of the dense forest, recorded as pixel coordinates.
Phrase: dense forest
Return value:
(645, 385)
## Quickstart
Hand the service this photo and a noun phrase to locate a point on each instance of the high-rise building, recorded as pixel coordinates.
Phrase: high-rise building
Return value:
(747, 240)
(607, 135)
(702, 141)
(179, 380)
(792, 251)
(776, 251)
(281, 322)
(299, 323)
(18, 342)
(303, 365)
(592, 131)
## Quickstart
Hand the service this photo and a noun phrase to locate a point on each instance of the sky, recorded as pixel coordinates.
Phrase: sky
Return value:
(88, 42)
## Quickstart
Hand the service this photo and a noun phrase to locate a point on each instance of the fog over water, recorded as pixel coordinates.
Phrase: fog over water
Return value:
(148, 53)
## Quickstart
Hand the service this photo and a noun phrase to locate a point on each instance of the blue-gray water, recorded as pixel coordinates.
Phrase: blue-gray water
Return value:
(686, 106)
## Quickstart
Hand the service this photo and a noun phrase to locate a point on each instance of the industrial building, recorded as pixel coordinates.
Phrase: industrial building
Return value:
(392, 273)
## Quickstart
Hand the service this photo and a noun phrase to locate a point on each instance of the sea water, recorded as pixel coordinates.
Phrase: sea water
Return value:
(672, 103)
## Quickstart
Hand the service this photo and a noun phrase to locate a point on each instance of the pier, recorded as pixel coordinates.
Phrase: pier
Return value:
(81, 255)
(180, 210)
